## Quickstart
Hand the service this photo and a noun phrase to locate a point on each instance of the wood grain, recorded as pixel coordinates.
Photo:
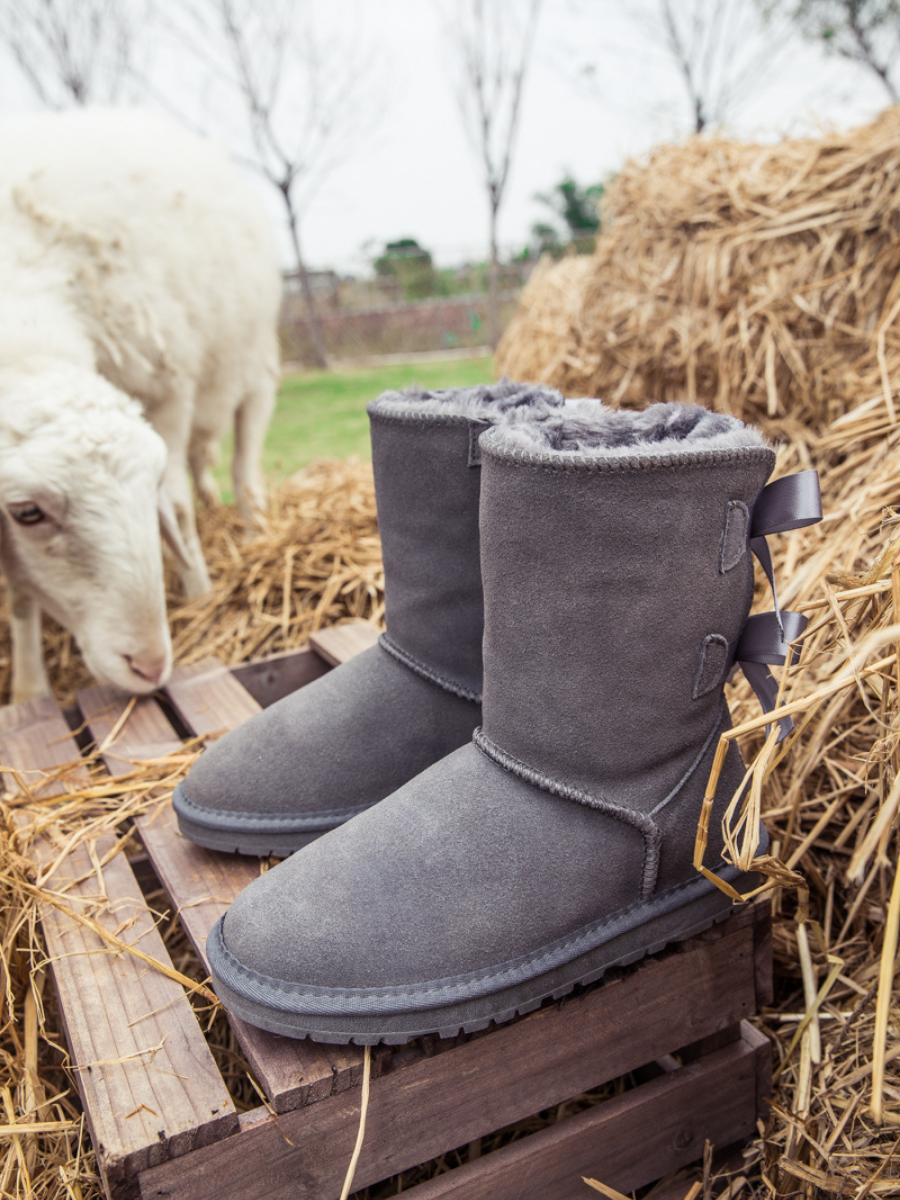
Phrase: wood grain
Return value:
(34, 738)
(202, 884)
(426, 1107)
(340, 642)
(625, 1143)
(208, 698)
(147, 733)
(271, 679)
(150, 1088)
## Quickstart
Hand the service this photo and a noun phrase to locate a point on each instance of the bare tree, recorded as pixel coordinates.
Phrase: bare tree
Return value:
(721, 51)
(866, 32)
(299, 97)
(494, 39)
(74, 51)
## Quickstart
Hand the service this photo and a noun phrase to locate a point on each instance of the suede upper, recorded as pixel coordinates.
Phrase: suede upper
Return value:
(427, 485)
(577, 805)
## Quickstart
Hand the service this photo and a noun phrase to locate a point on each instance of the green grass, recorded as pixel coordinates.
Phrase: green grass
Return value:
(322, 414)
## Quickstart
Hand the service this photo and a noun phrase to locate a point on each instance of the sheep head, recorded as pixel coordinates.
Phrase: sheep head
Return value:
(81, 506)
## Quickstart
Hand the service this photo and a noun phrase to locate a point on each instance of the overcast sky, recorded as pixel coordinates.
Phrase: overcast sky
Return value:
(598, 91)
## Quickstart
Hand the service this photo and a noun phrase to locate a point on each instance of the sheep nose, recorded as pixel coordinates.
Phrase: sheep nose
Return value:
(152, 668)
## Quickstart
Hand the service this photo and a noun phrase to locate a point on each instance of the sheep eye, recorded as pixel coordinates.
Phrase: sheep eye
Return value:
(26, 514)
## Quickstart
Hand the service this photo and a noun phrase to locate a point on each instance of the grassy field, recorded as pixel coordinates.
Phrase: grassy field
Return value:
(323, 413)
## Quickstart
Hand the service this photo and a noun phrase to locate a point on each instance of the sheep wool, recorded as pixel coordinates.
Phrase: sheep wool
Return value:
(139, 292)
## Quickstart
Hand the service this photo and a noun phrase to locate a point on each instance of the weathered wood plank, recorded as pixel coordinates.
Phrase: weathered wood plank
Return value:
(340, 642)
(625, 1143)
(202, 884)
(35, 738)
(209, 699)
(272, 678)
(428, 1106)
(147, 732)
(150, 1088)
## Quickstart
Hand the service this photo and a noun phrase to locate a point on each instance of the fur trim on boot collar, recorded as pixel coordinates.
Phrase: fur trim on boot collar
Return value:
(485, 402)
(591, 433)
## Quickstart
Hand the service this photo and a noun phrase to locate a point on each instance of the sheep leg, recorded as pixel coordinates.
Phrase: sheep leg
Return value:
(194, 575)
(173, 424)
(29, 674)
(202, 455)
(251, 421)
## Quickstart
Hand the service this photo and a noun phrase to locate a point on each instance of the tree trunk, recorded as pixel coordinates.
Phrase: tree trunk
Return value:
(315, 329)
(494, 284)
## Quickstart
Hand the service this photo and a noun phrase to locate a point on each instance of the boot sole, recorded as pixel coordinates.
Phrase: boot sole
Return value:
(498, 1007)
(231, 836)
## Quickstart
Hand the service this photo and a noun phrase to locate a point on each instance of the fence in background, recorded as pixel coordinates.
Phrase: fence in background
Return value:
(422, 326)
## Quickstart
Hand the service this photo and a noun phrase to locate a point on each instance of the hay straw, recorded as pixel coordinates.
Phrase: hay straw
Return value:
(765, 281)
(760, 280)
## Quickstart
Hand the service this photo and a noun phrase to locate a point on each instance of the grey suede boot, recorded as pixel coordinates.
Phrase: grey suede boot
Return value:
(335, 747)
(617, 581)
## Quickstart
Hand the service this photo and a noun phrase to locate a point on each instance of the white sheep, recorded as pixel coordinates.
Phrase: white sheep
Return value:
(138, 275)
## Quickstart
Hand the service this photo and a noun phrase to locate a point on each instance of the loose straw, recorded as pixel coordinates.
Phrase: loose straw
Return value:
(363, 1110)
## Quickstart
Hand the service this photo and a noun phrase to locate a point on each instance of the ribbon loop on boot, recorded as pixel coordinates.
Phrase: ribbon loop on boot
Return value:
(793, 502)
(789, 503)
(764, 642)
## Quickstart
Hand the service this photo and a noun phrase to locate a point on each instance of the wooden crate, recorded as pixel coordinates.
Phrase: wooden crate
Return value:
(162, 1122)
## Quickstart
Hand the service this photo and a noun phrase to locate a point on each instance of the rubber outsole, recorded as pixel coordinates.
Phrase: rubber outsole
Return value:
(265, 843)
(498, 1007)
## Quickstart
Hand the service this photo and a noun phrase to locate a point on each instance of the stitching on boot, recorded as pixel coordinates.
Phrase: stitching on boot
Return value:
(227, 820)
(476, 429)
(317, 999)
(419, 668)
(734, 535)
(710, 670)
(695, 764)
(639, 821)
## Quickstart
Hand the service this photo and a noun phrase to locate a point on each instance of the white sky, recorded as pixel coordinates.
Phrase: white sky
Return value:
(416, 174)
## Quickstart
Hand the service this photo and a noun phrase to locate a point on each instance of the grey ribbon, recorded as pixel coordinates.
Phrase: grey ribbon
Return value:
(764, 642)
(789, 503)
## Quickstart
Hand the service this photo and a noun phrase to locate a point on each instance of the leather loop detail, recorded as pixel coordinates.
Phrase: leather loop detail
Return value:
(734, 535)
(476, 429)
(713, 660)
(764, 642)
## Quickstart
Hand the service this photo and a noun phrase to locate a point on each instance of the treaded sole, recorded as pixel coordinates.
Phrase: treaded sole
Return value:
(257, 845)
(499, 1007)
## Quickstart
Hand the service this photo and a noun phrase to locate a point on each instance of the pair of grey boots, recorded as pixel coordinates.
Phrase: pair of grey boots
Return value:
(525, 753)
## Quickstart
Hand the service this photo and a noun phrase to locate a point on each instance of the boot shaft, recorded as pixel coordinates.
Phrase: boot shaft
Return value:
(427, 483)
(616, 579)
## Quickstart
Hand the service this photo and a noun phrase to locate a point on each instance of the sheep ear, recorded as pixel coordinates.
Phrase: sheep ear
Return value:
(168, 525)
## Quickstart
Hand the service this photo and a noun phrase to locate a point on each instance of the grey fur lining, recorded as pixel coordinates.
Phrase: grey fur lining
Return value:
(592, 433)
(484, 402)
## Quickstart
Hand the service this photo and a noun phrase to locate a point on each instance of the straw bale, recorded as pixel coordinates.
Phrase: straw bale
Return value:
(759, 280)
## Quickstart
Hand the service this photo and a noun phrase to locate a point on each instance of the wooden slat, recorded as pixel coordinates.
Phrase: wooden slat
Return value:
(147, 733)
(340, 642)
(150, 1088)
(272, 678)
(34, 738)
(625, 1143)
(209, 699)
(202, 884)
(424, 1108)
